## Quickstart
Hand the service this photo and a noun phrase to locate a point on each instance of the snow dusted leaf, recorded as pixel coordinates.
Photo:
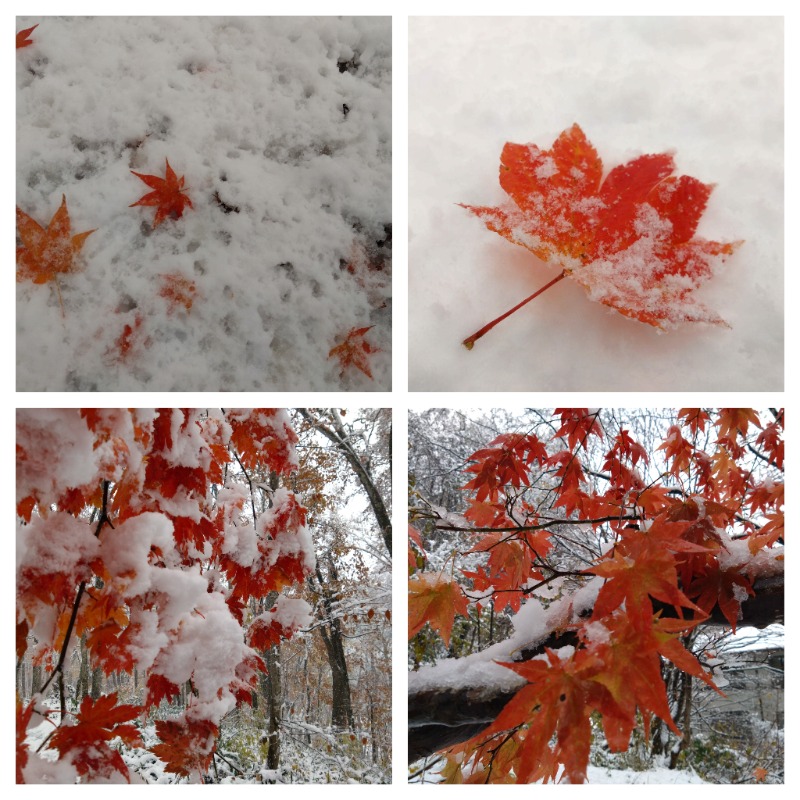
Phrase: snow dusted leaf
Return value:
(354, 351)
(629, 239)
(177, 290)
(48, 252)
(167, 196)
(287, 616)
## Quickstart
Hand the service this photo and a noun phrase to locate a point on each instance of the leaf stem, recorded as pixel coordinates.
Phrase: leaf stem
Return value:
(468, 343)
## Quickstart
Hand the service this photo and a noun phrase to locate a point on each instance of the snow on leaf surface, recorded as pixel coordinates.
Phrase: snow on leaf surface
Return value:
(628, 239)
(354, 351)
(48, 252)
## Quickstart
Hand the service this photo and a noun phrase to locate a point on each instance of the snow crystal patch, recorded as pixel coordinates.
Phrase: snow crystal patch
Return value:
(596, 632)
(289, 612)
(58, 544)
(648, 222)
(547, 169)
(55, 453)
(125, 550)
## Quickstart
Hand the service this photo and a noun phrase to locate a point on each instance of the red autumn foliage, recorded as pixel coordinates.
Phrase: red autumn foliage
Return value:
(672, 558)
(131, 540)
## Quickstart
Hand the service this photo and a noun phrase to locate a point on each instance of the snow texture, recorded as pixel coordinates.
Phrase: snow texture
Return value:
(687, 85)
(54, 453)
(282, 130)
(532, 624)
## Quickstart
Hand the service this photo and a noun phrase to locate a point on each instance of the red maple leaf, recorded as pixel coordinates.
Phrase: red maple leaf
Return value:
(98, 722)
(354, 351)
(159, 688)
(628, 239)
(131, 340)
(24, 714)
(22, 36)
(167, 195)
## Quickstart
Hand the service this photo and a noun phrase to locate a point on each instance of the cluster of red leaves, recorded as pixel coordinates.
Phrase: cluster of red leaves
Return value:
(628, 239)
(664, 575)
(153, 479)
(262, 635)
(46, 253)
(258, 433)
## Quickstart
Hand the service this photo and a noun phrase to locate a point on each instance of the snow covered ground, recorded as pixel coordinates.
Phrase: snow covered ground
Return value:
(709, 89)
(282, 129)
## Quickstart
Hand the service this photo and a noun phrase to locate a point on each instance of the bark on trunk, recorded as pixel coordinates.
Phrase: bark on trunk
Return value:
(273, 706)
(331, 632)
(82, 688)
(97, 683)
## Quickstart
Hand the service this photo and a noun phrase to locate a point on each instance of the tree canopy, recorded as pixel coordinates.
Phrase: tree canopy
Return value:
(570, 570)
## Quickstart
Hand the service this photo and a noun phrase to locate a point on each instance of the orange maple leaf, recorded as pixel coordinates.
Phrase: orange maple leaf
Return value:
(177, 290)
(48, 252)
(167, 195)
(22, 36)
(187, 745)
(628, 239)
(354, 350)
(436, 599)
(760, 774)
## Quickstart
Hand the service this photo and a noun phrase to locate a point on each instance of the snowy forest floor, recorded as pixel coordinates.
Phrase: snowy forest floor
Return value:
(281, 128)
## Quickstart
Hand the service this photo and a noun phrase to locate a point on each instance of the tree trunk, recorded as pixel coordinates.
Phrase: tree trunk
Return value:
(273, 705)
(36, 679)
(97, 683)
(82, 688)
(341, 708)
(21, 676)
(331, 632)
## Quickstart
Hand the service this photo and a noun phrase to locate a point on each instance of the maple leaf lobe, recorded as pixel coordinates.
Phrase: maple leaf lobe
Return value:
(23, 39)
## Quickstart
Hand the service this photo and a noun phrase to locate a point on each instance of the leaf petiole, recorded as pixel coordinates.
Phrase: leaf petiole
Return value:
(469, 342)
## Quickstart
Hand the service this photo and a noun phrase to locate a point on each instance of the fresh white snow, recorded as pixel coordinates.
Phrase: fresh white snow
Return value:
(281, 128)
